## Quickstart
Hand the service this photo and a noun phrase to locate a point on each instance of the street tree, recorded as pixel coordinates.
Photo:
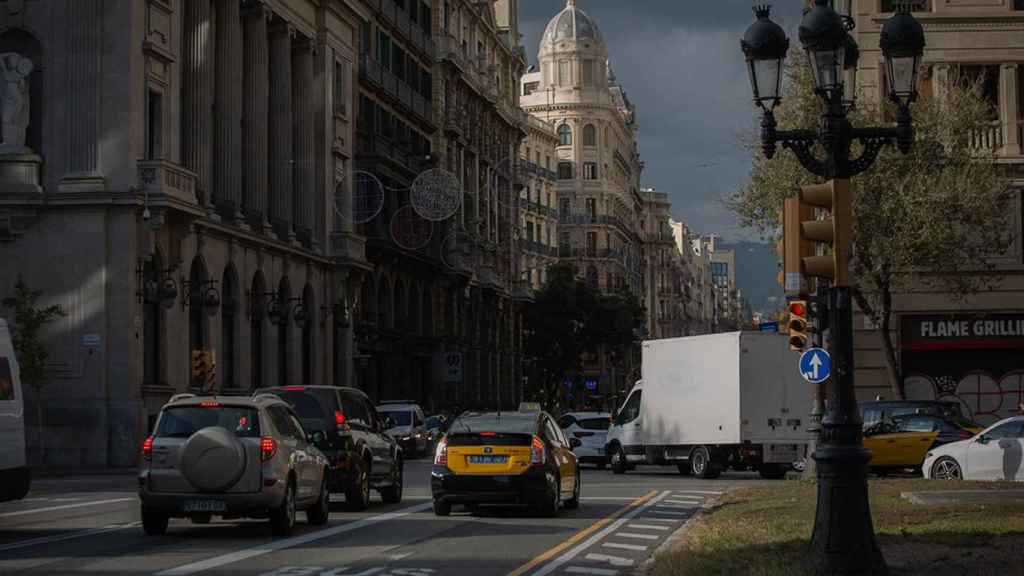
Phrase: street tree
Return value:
(29, 321)
(934, 218)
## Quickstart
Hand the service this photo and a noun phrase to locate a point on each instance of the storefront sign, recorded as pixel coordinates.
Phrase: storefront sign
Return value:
(963, 331)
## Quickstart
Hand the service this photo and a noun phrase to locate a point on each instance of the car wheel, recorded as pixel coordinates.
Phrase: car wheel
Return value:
(154, 522)
(357, 496)
(282, 518)
(618, 460)
(393, 493)
(701, 464)
(320, 512)
(946, 468)
(552, 498)
(574, 502)
(442, 508)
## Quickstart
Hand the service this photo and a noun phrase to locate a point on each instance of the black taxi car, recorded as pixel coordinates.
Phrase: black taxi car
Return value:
(505, 458)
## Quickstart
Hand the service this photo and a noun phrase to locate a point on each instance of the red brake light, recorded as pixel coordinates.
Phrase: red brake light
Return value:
(209, 404)
(489, 434)
(147, 449)
(293, 388)
(339, 419)
(441, 455)
(267, 448)
(537, 454)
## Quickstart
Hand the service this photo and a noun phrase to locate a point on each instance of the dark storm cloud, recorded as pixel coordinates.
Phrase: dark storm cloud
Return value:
(680, 63)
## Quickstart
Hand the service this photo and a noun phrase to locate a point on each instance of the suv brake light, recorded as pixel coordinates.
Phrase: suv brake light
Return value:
(267, 448)
(147, 449)
(339, 420)
(537, 454)
(293, 388)
(209, 404)
(441, 455)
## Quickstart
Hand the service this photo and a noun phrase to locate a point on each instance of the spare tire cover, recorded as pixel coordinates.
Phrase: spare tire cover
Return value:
(212, 459)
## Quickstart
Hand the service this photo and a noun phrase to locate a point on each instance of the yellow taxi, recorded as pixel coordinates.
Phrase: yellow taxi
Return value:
(904, 441)
(505, 458)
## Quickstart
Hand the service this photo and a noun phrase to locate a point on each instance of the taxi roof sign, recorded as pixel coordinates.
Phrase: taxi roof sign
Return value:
(529, 407)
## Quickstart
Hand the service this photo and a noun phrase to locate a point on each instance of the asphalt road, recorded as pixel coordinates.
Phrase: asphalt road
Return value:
(91, 525)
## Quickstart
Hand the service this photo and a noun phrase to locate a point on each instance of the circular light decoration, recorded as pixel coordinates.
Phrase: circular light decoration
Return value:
(436, 194)
(409, 230)
(367, 198)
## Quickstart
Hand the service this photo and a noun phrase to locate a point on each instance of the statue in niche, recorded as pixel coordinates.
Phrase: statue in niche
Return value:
(14, 100)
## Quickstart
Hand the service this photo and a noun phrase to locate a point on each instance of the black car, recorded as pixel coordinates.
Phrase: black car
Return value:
(352, 436)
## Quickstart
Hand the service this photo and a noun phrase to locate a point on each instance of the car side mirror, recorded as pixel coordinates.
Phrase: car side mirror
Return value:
(386, 423)
(575, 442)
(983, 439)
(316, 437)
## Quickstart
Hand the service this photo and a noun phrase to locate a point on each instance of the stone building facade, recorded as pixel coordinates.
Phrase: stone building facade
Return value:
(538, 214)
(973, 350)
(180, 164)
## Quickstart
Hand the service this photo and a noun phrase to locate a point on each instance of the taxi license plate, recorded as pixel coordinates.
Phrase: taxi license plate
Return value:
(204, 506)
(488, 459)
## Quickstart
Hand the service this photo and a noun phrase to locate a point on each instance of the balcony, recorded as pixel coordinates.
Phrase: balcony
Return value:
(169, 185)
(537, 208)
(370, 69)
(659, 238)
(448, 49)
(989, 139)
(534, 247)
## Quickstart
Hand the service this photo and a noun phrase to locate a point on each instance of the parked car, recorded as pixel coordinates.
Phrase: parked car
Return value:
(434, 427)
(591, 428)
(406, 425)
(361, 454)
(505, 458)
(14, 473)
(997, 453)
(880, 410)
(232, 457)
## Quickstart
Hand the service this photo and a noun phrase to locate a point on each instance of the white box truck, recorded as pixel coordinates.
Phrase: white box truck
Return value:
(14, 473)
(711, 403)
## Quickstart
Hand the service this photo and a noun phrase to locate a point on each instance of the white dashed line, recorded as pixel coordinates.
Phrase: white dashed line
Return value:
(636, 536)
(592, 571)
(620, 546)
(67, 536)
(65, 507)
(685, 492)
(613, 560)
(648, 527)
(693, 501)
(671, 513)
(646, 519)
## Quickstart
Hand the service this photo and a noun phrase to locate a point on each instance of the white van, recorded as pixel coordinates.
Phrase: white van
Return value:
(14, 474)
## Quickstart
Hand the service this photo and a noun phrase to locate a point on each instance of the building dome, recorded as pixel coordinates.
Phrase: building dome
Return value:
(570, 24)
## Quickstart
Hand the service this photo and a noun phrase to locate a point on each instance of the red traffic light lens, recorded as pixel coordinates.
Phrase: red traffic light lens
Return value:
(798, 308)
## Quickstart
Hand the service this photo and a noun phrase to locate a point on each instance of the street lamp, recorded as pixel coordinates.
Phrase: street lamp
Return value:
(844, 540)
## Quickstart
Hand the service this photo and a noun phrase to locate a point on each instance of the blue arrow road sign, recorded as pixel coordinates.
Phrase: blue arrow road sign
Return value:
(815, 365)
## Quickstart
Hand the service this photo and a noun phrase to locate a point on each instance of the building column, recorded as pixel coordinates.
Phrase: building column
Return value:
(303, 136)
(227, 140)
(197, 95)
(1009, 82)
(281, 156)
(255, 110)
(83, 110)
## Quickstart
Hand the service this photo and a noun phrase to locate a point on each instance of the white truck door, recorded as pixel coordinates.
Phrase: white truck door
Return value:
(629, 427)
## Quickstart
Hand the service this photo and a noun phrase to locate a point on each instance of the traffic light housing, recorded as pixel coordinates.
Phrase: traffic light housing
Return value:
(802, 231)
(799, 326)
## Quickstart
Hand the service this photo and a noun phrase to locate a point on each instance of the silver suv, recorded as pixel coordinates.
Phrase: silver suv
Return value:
(234, 457)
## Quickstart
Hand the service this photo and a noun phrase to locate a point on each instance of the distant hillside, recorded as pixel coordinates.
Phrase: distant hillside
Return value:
(757, 274)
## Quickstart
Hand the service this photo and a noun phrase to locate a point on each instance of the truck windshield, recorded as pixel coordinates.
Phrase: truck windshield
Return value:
(630, 410)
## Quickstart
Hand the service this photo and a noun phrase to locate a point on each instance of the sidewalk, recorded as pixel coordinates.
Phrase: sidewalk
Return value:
(955, 497)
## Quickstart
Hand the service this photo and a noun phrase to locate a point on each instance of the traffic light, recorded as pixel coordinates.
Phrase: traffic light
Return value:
(799, 335)
(801, 230)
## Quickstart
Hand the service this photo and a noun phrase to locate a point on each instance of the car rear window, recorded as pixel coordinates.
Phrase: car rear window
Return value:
(398, 417)
(314, 407)
(184, 421)
(595, 423)
(494, 423)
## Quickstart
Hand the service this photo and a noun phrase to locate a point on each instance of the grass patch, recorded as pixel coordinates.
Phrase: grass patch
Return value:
(766, 532)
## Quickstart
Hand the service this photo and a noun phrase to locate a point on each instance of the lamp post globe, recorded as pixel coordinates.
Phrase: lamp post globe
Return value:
(765, 45)
(823, 33)
(851, 60)
(902, 43)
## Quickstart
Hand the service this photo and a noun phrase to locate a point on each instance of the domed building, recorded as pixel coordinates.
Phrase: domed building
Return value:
(597, 160)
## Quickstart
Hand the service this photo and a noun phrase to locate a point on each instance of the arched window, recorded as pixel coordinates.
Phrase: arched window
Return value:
(565, 135)
(197, 318)
(309, 306)
(284, 320)
(256, 315)
(589, 135)
(229, 327)
(152, 324)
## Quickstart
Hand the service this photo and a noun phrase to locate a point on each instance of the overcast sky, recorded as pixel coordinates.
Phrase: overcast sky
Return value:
(681, 65)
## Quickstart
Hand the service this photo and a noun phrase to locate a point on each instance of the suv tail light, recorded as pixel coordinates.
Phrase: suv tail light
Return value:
(537, 454)
(441, 455)
(339, 420)
(267, 448)
(147, 449)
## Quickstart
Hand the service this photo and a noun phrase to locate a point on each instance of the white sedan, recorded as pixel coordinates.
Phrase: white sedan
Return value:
(995, 454)
(592, 430)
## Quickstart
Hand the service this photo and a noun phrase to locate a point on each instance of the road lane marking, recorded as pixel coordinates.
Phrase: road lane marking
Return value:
(613, 560)
(612, 498)
(68, 536)
(591, 571)
(620, 546)
(636, 506)
(648, 519)
(677, 507)
(632, 512)
(709, 492)
(670, 513)
(648, 527)
(696, 500)
(263, 549)
(636, 536)
(65, 507)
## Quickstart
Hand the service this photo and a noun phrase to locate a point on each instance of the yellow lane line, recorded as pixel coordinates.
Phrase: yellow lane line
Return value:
(544, 557)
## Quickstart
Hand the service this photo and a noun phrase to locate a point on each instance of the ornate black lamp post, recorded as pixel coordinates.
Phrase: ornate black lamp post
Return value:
(843, 541)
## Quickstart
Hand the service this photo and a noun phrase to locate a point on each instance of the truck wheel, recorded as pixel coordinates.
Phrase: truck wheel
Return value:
(772, 471)
(618, 458)
(702, 465)
(684, 469)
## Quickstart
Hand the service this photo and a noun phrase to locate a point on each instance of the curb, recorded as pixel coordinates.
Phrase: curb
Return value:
(675, 538)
